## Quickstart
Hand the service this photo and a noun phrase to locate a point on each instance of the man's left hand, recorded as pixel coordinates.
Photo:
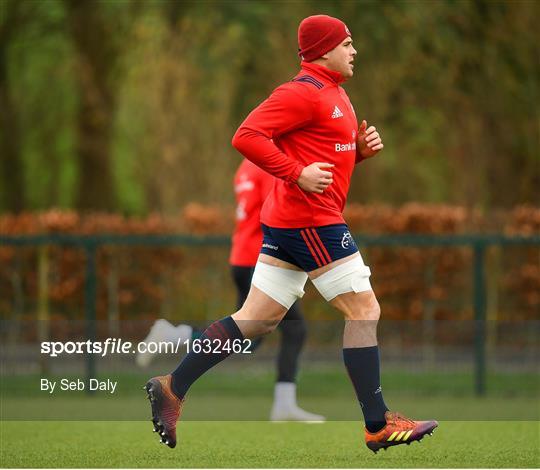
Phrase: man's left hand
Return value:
(369, 141)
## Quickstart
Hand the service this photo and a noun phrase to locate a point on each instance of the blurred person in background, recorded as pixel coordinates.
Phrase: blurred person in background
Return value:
(251, 186)
(307, 136)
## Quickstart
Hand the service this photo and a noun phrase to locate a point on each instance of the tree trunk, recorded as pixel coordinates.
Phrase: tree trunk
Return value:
(12, 189)
(96, 57)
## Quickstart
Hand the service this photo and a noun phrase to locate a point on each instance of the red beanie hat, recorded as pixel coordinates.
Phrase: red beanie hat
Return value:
(319, 34)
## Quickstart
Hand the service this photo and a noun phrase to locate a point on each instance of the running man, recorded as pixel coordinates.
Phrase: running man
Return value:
(251, 186)
(307, 136)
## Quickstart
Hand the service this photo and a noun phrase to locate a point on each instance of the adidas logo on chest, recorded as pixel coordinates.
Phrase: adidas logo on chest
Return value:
(337, 113)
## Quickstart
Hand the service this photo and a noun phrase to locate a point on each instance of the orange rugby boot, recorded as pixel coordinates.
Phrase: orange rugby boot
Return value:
(166, 408)
(398, 430)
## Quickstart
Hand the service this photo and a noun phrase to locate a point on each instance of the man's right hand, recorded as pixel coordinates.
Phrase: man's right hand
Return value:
(314, 178)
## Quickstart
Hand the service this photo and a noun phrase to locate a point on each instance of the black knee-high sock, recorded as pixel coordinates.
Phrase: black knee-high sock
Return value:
(196, 364)
(363, 367)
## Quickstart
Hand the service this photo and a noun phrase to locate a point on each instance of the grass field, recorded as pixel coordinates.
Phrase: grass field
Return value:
(225, 424)
(263, 444)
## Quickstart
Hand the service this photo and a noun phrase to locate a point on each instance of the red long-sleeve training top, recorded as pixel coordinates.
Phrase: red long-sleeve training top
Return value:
(309, 119)
(251, 187)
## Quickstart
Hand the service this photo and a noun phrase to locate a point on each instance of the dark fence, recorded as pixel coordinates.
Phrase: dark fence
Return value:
(90, 244)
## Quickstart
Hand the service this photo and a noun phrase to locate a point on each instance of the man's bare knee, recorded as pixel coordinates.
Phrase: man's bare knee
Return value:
(369, 308)
(358, 306)
(362, 312)
(268, 326)
(252, 324)
(259, 315)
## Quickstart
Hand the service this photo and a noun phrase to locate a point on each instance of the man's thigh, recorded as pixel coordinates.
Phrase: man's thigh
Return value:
(328, 254)
(260, 306)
